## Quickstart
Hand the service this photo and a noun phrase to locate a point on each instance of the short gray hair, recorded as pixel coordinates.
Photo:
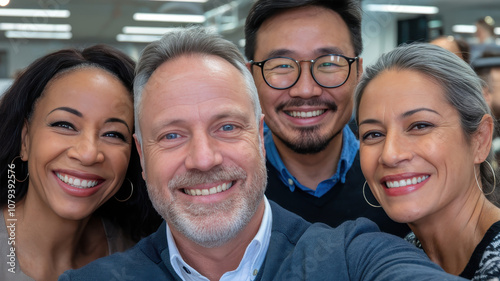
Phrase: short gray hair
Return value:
(185, 41)
(462, 87)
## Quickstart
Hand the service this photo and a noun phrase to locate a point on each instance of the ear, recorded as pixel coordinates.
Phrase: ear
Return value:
(261, 134)
(139, 150)
(360, 68)
(25, 141)
(482, 139)
(249, 66)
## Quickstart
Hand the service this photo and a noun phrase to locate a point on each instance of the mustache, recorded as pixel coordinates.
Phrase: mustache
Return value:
(216, 174)
(315, 101)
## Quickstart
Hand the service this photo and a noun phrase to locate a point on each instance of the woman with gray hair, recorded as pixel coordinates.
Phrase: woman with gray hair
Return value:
(425, 145)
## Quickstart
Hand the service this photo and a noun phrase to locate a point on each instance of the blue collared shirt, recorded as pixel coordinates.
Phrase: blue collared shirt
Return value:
(250, 264)
(350, 147)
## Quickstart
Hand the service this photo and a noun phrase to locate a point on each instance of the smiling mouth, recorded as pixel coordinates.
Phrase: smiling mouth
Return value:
(405, 182)
(305, 114)
(77, 182)
(209, 191)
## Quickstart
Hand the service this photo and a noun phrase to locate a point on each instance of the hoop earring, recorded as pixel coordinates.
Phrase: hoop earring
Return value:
(131, 192)
(494, 179)
(12, 165)
(374, 206)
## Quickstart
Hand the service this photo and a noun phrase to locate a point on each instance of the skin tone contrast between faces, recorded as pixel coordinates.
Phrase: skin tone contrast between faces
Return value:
(305, 34)
(419, 164)
(77, 144)
(203, 160)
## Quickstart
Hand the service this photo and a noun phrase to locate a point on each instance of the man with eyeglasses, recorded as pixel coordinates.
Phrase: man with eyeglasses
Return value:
(304, 57)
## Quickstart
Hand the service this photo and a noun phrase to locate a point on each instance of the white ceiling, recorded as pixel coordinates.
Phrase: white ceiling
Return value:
(99, 21)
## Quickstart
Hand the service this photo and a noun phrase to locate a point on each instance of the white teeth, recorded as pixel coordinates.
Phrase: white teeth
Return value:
(75, 182)
(402, 183)
(209, 191)
(304, 114)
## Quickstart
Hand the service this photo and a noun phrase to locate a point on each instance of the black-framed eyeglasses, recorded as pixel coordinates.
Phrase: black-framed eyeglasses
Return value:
(329, 71)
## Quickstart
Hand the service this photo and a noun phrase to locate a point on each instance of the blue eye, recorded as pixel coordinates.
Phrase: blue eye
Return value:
(327, 64)
(171, 136)
(227, 127)
(284, 66)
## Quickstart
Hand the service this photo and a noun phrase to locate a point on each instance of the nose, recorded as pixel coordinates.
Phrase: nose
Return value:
(86, 150)
(306, 87)
(203, 153)
(395, 151)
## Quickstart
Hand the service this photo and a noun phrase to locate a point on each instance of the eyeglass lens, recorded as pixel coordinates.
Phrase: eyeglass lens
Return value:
(328, 71)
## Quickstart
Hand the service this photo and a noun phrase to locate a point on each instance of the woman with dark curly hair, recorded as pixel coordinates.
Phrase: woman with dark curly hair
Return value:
(70, 177)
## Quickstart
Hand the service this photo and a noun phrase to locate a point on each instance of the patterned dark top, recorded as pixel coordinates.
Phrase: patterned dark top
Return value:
(484, 264)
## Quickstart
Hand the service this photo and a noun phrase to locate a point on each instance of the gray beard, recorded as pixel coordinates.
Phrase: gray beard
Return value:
(212, 225)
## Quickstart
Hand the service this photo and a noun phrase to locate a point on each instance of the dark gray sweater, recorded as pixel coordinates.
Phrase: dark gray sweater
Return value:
(298, 250)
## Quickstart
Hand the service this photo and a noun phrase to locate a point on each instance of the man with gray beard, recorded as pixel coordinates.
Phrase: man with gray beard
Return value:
(199, 129)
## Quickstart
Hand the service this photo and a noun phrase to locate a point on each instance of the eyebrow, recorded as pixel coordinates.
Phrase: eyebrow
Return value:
(404, 115)
(317, 52)
(114, 120)
(68, 109)
(411, 112)
(79, 114)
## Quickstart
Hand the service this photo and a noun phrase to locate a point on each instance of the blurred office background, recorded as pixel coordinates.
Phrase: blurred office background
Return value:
(32, 28)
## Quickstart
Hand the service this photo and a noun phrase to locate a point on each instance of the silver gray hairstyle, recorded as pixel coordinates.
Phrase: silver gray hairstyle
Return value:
(462, 87)
(186, 41)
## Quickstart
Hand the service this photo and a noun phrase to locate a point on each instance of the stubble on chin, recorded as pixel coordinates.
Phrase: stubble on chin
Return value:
(211, 225)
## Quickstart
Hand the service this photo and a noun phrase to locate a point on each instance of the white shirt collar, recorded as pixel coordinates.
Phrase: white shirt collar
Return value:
(250, 264)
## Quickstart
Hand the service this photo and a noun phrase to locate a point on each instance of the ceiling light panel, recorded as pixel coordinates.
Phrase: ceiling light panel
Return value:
(36, 13)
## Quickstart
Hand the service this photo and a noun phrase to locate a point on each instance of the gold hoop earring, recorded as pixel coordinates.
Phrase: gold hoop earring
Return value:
(12, 165)
(494, 179)
(131, 192)
(374, 206)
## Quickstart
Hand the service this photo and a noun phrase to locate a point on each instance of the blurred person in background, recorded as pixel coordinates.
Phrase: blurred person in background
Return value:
(487, 68)
(486, 37)
(455, 45)
(485, 30)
